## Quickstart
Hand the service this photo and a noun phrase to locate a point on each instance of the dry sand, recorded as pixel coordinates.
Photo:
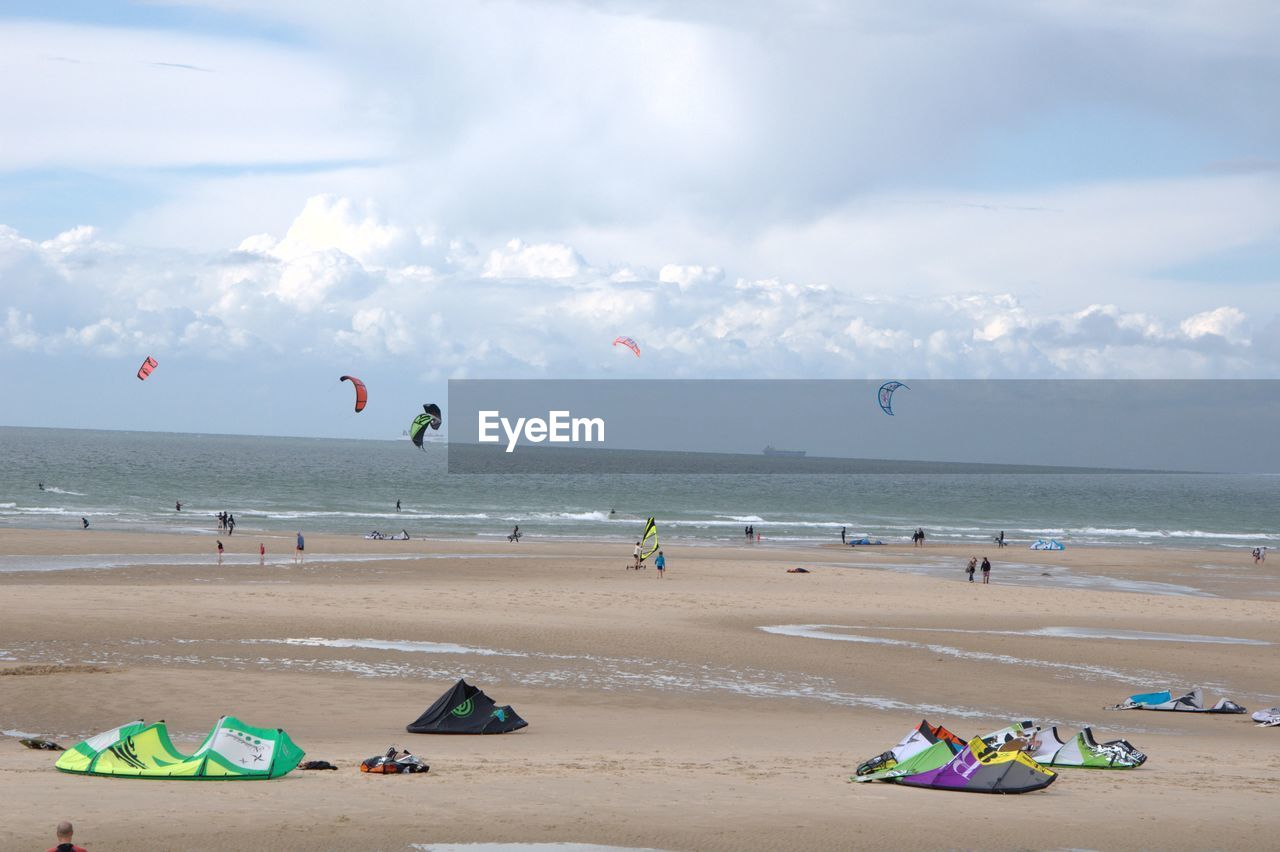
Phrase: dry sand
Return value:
(661, 715)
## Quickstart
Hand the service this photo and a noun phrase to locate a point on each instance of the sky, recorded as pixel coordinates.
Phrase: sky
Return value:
(265, 197)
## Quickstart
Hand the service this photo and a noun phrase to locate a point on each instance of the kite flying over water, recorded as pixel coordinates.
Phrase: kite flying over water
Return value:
(886, 396)
(628, 342)
(146, 368)
(429, 419)
(362, 395)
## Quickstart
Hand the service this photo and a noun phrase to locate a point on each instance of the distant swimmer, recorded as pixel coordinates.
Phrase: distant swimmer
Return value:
(85, 521)
(41, 486)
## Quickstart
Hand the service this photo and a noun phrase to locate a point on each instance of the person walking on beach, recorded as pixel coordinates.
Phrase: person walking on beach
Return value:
(971, 567)
(660, 563)
(219, 551)
(515, 534)
(843, 531)
(635, 556)
(397, 505)
(231, 524)
(1000, 541)
(262, 554)
(65, 831)
(986, 570)
(85, 522)
(298, 548)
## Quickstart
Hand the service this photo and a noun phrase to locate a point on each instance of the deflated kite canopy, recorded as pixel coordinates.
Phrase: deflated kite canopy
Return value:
(1192, 702)
(913, 753)
(465, 709)
(362, 395)
(232, 751)
(981, 769)
(1269, 718)
(1050, 748)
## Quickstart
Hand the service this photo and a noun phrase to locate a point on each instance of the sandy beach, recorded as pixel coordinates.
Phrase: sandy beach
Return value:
(723, 707)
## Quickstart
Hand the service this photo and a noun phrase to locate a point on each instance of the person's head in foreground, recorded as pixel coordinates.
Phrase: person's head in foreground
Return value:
(64, 831)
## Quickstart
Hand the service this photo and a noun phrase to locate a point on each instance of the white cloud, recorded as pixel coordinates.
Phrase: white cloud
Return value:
(538, 309)
(540, 260)
(1224, 322)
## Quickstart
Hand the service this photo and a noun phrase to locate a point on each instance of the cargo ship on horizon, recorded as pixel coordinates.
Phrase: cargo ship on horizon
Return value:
(790, 454)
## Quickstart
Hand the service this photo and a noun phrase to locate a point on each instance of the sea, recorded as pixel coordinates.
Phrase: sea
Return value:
(132, 480)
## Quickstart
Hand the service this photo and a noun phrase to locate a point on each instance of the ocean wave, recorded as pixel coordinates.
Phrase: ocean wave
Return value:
(53, 489)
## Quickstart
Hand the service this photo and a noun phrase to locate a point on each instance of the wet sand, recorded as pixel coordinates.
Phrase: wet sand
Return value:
(723, 707)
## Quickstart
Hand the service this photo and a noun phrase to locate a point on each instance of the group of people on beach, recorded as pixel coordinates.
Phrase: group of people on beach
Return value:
(751, 533)
(1259, 555)
(226, 521)
(917, 537)
(972, 568)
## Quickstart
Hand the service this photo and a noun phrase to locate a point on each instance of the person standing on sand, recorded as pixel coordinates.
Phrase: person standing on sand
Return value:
(843, 531)
(297, 550)
(262, 554)
(65, 831)
(986, 570)
(635, 555)
(219, 551)
(660, 563)
(971, 567)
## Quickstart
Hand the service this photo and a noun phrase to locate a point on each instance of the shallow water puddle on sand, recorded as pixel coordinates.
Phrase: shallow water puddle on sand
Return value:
(106, 561)
(1085, 633)
(445, 662)
(385, 645)
(525, 847)
(1035, 576)
(1085, 671)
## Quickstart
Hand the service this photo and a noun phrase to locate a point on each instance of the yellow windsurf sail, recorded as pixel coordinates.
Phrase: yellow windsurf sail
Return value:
(649, 545)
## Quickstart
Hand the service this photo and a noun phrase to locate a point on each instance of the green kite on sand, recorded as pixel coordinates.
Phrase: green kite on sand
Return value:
(232, 751)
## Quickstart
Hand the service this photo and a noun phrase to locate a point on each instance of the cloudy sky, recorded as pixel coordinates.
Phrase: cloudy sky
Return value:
(265, 196)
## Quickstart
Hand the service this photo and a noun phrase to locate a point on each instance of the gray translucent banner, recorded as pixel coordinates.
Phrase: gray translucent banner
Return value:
(823, 427)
